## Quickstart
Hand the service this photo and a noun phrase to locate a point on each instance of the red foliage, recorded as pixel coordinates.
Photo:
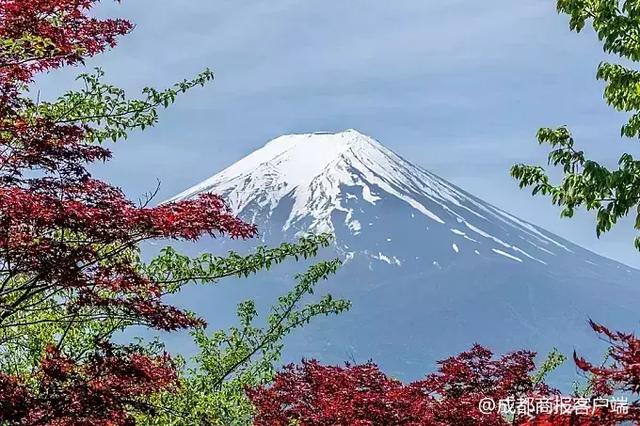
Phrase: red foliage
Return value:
(70, 37)
(622, 375)
(98, 391)
(319, 395)
(464, 380)
(322, 395)
(58, 224)
(64, 234)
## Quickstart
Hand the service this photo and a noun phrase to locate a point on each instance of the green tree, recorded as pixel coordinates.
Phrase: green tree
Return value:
(611, 192)
(212, 390)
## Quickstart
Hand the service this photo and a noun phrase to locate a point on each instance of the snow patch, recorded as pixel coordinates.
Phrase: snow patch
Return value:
(462, 234)
(368, 196)
(355, 226)
(499, 241)
(390, 260)
(502, 253)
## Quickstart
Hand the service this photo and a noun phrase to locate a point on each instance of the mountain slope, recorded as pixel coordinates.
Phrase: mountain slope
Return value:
(430, 268)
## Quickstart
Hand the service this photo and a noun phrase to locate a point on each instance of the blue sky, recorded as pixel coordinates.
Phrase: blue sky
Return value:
(458, 87)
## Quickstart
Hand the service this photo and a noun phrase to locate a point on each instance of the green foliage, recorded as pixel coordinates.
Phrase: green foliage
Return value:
(615, 23)
(554, 359)
(106, 107)
(46, 321)
(27, 47)
(229, 361)
(175, 270)
(612, 193)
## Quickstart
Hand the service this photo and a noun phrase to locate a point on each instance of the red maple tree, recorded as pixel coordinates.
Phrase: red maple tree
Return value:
(317, 395)
(312, 394)
(67, 238)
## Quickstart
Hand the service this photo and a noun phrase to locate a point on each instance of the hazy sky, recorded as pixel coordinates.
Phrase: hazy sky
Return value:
(457, 86)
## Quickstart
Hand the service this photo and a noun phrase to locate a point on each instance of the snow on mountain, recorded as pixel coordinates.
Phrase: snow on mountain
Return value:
(313, 169)
(430, 268)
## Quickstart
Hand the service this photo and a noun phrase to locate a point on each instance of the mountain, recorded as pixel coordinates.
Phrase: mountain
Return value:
(430, 269)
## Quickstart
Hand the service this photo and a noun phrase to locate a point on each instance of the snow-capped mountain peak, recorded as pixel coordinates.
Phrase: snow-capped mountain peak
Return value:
(322, 181)
(295, 159)
(311, 167)
(308, 167)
